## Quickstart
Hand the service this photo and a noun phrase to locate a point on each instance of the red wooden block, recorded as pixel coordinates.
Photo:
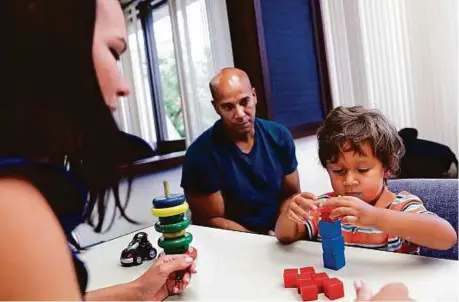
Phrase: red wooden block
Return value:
(320, 278)
(303, 278)
(309, 291)
(333, 288)
(290, 275)
(307, 269)
(290, 271)
(325, 213)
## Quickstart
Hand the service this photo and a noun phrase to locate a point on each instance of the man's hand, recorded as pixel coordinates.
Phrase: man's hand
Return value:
(302, 206)
(352, 210)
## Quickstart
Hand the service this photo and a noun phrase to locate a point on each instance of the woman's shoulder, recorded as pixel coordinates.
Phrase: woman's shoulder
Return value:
(44, 199)
(28, 221)
(59, 188)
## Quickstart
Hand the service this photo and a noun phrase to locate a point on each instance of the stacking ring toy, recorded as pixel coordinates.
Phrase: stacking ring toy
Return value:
(172, 223)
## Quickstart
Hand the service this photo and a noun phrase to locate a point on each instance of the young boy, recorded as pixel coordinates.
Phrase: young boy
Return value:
(360, 150)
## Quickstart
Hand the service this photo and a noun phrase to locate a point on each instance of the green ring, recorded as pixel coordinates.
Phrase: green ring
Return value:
(172, 228)
(175, 242)
(177, 250)
(171, 219)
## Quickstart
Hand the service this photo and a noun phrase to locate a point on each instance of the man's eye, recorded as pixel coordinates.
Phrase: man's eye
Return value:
(115, 54)
(363, 170)
(244, 102)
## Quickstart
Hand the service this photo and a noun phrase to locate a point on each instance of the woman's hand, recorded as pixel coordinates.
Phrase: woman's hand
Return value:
(389, 292)
(160, 280)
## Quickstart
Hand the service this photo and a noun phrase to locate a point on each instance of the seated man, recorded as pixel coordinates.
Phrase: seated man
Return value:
(239, 174)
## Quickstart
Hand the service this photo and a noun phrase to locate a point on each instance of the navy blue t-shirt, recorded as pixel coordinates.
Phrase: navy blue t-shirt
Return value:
(251, 184)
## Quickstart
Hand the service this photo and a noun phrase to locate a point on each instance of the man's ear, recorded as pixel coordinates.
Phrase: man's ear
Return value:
(214, 104)
(254, 93)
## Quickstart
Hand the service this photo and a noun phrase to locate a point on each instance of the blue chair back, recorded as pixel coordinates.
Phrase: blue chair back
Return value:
(440, 196)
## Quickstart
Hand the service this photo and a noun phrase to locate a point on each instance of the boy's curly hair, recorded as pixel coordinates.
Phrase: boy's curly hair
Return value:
(356, 126)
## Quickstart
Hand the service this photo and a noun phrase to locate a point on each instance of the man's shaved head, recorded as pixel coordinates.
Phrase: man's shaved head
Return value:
(228, 79)
(234, 100)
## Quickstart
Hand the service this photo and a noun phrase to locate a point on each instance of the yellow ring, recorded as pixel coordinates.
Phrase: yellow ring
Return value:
(174, 235)
(166, 212)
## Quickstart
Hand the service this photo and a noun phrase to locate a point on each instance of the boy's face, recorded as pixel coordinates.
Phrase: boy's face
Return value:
(357, 175)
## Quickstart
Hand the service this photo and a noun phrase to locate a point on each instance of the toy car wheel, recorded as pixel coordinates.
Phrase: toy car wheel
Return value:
(138, 260)
(152, 254)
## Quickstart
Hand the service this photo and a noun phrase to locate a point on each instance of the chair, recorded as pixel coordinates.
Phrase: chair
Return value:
(134, 148)
(435, 159)
(439, 196)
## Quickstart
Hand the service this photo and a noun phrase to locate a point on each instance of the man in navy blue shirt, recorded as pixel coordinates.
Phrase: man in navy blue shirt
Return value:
(240, 173)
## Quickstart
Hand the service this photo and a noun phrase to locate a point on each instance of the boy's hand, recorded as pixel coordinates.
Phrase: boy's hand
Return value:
(302, 206)
(352, 210)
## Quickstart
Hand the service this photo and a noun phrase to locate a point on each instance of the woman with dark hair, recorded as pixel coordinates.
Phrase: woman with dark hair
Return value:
(58, 159)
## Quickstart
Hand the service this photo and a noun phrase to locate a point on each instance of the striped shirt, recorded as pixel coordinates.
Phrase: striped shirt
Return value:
(371, 237)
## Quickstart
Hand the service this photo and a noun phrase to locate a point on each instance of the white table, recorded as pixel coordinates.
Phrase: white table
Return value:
(241, 266)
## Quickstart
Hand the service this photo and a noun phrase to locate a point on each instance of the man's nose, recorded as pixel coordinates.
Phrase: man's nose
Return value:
(240, 111)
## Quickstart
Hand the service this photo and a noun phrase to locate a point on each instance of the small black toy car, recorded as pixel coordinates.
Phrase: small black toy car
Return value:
(139, 249)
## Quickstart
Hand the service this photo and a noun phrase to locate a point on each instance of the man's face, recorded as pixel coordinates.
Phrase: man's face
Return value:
(236, 104)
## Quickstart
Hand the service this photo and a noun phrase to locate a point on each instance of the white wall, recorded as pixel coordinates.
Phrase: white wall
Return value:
(313, 178)
(399, 56)
(434, 55)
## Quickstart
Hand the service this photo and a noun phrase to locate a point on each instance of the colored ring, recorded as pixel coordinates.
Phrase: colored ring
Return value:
(175, 242)
(176, 250)
(171, 228)
(171, 219)
(174, 235)
(166, 212)
(170, 201)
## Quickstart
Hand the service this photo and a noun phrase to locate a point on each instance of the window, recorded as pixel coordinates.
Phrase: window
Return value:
(162, 30)
(174, 48)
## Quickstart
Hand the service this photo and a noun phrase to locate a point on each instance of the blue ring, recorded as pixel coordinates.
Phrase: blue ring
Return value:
(167, 202)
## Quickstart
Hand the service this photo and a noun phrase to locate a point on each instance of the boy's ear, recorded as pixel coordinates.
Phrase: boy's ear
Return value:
(387, 174)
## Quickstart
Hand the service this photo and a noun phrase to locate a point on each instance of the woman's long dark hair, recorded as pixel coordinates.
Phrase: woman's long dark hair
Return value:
(51, 107)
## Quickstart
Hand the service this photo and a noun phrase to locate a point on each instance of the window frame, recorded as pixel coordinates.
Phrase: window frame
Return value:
(163, 146)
